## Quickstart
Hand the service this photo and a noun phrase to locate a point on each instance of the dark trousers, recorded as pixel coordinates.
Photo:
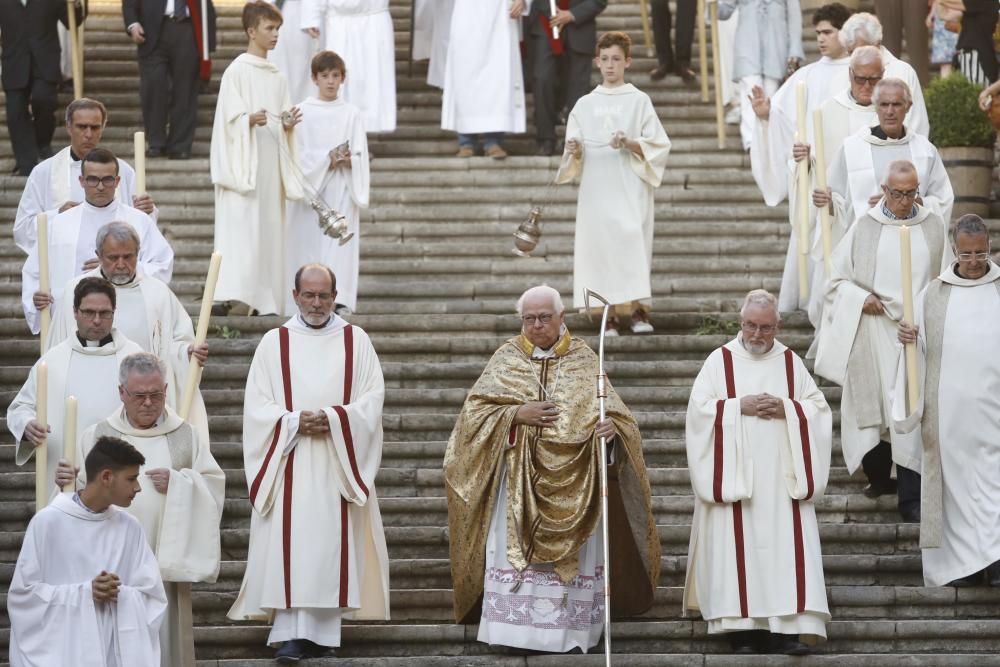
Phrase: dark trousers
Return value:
(661, 20)
(31, 121)
(898, 16)
(169, 88)
(569, 73)
(877, 465)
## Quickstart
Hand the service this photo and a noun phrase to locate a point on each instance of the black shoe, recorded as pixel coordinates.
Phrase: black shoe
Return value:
(154, 152)
(314, 650)
(21, 171)
(880, 488)
(660, 72)
(291, 652)
(546, 147)
(993, 574)
(788, 645)
(910, 513)
(973, 579)
(685, 73)
(747, 642)
(179, 155)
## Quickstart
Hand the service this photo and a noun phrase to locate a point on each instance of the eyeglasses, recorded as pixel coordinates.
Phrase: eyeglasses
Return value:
(106, 181)
(153, 396)
(865, 80)
(900, 195)
(765, 329)
(531, 319)
(322, 296)
(970, 256)
(91, 314)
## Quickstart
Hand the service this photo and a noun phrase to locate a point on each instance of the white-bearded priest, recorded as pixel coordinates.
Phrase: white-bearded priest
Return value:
(957, 326)
(312, 445)
(759, 434)
(524, 494)
(857, 348)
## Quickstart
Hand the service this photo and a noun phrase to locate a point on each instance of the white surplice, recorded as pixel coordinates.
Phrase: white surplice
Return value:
(89, 373)
(431, 29)
(483, 81)
(959, 321)
(53, 616)
(754, 560)
(52, 183)
(302, 579)
(859, 351)
(181, 525)
(72, 241)
(295, 50)
(324, 127)
(253, 170)
(361, 32)
(613, 248)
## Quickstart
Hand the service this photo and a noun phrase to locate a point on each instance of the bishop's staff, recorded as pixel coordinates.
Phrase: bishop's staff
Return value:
(602, 393)
(720, 119)
(801, 213)
(824, 213)
(906, 278)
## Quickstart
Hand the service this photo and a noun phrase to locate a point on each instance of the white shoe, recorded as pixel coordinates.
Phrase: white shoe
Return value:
(610, 332)
(641, 327)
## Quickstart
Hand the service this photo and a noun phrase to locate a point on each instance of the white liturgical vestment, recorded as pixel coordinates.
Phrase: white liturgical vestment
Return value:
(295, 50)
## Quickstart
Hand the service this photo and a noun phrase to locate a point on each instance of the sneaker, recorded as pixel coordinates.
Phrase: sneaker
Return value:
(465, 151)
(641, 323)
(495, 151)
(291, 652)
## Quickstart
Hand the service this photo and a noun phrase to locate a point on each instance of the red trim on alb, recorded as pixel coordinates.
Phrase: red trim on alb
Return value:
(348, 363)
(800, 556)
(741, 559)
(727, 363)
(345, 425)
(345, 429)
(741, 563)
(720, 409)
(286, 529)
(345, 549)
(800, 560)
(259, 479)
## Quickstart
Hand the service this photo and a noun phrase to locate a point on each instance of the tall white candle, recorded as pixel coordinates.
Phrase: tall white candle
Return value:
(194, 369)
(906, 279)
(140, 163)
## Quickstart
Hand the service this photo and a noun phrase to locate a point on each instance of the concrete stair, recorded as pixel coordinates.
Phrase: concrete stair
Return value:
(438, 283)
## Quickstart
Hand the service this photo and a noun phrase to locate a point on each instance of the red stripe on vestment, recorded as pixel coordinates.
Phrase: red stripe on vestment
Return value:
(800, 560)
(720, 409)
(741, 562)
(286, 373)
(345, 425)
(345, 429)
(259, 479)
(348, 363)
(741, 565)
(727, 363)
(286, 514)
(803, 426)
(800, 557)
(345, 548)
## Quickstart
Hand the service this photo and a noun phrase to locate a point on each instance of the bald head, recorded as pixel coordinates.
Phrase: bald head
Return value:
(315, 293)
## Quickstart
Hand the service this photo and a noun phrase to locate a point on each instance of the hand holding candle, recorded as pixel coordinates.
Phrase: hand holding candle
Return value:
(824, 212)
(194, 368)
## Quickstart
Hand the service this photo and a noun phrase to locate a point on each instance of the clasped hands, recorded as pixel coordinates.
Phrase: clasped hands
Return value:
(545, 413)
(105, 587)
(313, 423)
(764, 406)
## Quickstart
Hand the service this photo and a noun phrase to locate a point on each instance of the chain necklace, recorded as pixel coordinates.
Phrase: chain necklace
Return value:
(555, 385)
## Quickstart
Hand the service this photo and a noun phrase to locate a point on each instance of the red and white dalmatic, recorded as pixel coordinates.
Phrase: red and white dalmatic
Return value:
(316, 537)
(754, 560)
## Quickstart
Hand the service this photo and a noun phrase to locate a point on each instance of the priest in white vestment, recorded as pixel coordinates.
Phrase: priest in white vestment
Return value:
(253, 169)
(73, 233)
(759, 434)
(616, 148)
(54, 184)
(956, 330)
(333, 156)
(86, 590)
(295, 49)
(431, 31)
(183, 488)
(857, 347)
(84, 365)
(483, 79)
(362, 33)
(312, 446)
(524, 510)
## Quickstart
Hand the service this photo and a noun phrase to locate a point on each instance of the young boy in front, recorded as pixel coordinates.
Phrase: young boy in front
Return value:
(617, 149)
(253, 169)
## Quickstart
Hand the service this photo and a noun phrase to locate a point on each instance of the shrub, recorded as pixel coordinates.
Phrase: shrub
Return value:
(954, 113)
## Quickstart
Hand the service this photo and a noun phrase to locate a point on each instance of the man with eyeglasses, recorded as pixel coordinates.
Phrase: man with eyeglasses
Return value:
(522, 470)
(84, 365)
(857, 347)
(759, 434)
(956, 329)
(72, 235)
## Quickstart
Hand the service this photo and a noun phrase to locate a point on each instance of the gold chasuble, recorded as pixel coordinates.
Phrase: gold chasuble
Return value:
(554, 488)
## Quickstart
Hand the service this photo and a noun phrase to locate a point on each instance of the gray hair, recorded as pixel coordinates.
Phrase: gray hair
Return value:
(899, 168)
(117, 231)
(141, 363)
(885, 84)
(862, 27)
(760, 297)
(866, 55)
(540, 290)
(971, 224)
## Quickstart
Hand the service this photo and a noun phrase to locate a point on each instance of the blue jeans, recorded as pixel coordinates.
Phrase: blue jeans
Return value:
(488, 139)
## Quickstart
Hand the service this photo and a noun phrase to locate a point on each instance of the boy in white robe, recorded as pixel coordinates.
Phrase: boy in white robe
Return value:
(617, 149)
(759, 434)
(253, 168)
(333, 155)
(86, 590)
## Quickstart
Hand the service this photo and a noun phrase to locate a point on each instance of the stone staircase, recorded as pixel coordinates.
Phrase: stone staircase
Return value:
(438, 283)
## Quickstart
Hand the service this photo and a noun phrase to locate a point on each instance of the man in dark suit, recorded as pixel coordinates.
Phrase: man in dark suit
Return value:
(171, 62)
(575, 48)
(29, 55)
(668, 61)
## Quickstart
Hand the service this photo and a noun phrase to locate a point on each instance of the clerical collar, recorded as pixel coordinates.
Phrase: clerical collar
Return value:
(877, 131)
(317, 327)
(94, 343)
(73, 156)
(892, 216)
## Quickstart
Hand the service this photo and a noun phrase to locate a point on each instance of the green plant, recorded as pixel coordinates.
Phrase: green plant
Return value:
(227, 333)
(713, 326)
(954, 113)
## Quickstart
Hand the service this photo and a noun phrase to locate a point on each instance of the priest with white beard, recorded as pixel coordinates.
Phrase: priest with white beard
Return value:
(333, 156)
(857, 348)
(72, 235)
(54, 184)
(84, 365)
(86, 590)
(956, 329)
(362, 33)
(863, 158)
(759, 434)
(183, 487)
(147, 313)
(312, 439)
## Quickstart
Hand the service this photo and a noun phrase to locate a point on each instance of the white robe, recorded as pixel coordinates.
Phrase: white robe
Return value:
(324, 126)
(615, 204)
(483, 81)
(860, 352)
(431, 29)
(960, 499)
(53, 616)
(181, 525)
(754, 561)
(295, 50)
(298, 482)
(89, 373)
(253, 170)
(52, 183)
(150, 315)
(72, 241)
(362, 33)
